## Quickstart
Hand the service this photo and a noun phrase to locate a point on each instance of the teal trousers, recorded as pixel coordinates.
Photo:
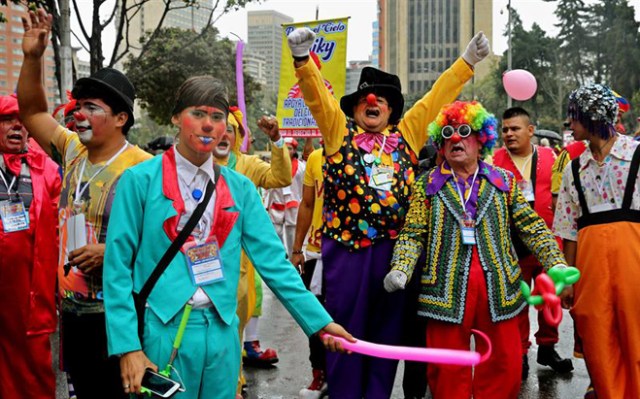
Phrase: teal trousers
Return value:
(208, 360)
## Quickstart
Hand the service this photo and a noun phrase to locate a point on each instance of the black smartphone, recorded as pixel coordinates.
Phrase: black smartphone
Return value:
(159, 385)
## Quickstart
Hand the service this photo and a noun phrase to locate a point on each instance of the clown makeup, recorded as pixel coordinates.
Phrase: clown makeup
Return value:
(90, 114)
(372, 116)
(463, 152)
(13, 135)
(226, 143)
(202, 128)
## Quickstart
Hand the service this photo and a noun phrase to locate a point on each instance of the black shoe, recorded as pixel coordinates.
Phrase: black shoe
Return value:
(525, 367)
(547, 356)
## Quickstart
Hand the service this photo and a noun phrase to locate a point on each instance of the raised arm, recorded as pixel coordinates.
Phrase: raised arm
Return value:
(32, 98)
(444, 91)
(323, 106)
(276, 174)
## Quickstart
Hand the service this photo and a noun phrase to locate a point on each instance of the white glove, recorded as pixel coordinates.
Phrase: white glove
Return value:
(395, 280)
(477, 49)
(300, 41)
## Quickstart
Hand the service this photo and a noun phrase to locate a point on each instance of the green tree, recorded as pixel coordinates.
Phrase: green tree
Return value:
(176, 55)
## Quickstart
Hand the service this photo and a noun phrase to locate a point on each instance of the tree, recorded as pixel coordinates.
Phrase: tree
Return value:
(572, 20)
(168, 62)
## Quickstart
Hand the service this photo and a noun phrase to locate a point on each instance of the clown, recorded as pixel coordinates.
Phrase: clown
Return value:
(459, 215)
(598, 203)
(265, 176)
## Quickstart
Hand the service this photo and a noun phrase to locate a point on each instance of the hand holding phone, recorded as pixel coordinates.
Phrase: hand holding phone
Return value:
(158, 384)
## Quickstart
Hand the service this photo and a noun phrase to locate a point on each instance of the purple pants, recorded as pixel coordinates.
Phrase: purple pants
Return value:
(356, 299)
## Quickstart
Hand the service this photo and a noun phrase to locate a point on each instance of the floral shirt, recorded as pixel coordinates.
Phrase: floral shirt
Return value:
(603, 185)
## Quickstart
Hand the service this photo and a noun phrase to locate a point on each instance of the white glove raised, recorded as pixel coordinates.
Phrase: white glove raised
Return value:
(395, 280)
(300, 41)
(477, 49)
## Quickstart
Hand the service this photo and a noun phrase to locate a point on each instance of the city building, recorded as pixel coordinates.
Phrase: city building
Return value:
(265, 40)
(420, 39)
(255, 65)
(353, 74)
(375, 55)
(147, 16)
(11, 55)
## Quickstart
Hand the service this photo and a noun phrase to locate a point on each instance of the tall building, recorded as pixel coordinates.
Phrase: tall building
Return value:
(354, 69)
(420, 39)
(11, 55)
(147, 16)
(375, 54)
(255, 66)
(265, 40)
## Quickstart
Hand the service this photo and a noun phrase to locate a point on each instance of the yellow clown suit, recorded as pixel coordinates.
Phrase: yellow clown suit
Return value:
(263, 175)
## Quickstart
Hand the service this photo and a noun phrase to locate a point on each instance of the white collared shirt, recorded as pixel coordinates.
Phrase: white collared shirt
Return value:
(190, 178)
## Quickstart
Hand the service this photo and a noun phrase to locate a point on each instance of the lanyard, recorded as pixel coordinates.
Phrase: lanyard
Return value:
(384, 142)
(79, 191)
(8, 186)
(464, 201)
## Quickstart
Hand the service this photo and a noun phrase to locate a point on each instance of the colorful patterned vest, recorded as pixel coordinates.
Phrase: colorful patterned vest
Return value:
(356, 214)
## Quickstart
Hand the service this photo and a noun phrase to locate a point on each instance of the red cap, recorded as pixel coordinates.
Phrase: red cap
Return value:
(9, 105)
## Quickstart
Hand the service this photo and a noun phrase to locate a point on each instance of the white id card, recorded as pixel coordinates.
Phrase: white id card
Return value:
(203, 261)
(381, 177)
(527, 190)
(602, 208)
(468, 235)
(76, 232)
(14, 216)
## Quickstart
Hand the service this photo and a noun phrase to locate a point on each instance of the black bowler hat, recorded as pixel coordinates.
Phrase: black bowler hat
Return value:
(383, 84)
(113, 82)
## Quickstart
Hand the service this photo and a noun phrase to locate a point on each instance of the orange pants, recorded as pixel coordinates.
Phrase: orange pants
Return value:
(606, 303)
(497, 378)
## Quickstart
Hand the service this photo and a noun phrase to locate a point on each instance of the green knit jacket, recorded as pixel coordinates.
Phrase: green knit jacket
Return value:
(432, 225)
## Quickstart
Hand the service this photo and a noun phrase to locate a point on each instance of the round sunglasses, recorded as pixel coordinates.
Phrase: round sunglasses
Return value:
(463, 130)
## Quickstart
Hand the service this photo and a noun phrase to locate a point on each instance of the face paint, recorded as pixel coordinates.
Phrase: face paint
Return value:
(201, 128)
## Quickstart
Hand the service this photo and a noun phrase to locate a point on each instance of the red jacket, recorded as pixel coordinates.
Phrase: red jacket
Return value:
(34, 251)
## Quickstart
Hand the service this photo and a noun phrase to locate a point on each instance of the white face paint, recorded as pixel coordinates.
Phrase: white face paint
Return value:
(85, 136)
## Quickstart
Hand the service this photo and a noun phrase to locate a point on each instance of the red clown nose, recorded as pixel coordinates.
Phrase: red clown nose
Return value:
(79, 116)
(372, 99)
(455, 139)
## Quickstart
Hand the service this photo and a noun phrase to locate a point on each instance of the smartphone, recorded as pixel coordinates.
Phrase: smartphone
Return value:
(159, 385)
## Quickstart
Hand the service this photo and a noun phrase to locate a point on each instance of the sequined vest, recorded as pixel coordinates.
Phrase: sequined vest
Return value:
(356, 214)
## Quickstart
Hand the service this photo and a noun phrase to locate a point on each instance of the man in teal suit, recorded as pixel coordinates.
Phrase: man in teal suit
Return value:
(153, 202)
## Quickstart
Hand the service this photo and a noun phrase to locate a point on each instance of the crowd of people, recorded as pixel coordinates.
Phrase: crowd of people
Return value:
(402, 229)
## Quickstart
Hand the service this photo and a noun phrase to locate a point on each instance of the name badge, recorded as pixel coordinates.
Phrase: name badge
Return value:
(381, 177)
(527, 190)
(76, 232)
(203, 261)
(14, 216)
(602, 208)
(468, 235)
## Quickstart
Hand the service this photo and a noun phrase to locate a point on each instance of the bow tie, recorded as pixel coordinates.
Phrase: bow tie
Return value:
(13, 162)
(366, 141)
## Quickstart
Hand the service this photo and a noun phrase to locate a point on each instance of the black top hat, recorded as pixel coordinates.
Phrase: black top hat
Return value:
(384, 84)
(111, 80)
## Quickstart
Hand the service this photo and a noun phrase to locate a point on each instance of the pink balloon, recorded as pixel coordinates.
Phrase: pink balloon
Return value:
(427, 355)
(519, 84)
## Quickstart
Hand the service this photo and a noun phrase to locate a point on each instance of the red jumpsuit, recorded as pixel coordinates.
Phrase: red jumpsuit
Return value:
(28, 264)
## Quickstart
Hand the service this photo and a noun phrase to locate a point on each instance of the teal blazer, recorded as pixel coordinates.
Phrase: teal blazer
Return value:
(143, 221)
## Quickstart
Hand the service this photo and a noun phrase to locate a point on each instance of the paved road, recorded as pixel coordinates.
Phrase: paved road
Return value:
(293, 372)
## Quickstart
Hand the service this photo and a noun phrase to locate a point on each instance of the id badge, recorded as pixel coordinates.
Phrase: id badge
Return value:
(468, 232)
(527, 191)
(203, 261)
(602, 208)
(76, 232)
(14, 216)
(381, 177)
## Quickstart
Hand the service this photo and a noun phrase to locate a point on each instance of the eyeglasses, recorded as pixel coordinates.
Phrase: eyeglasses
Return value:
(463, 131)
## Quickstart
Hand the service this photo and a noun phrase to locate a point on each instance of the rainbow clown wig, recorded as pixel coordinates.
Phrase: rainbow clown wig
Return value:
(235, 119)
(471, 113)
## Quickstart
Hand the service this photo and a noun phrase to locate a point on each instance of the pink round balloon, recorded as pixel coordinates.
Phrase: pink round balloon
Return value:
(519, 84)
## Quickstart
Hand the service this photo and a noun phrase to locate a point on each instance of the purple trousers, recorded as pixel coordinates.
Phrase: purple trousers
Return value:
(356, 299)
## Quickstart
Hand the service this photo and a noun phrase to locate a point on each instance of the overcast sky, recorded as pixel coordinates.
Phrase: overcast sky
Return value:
(363, 13)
